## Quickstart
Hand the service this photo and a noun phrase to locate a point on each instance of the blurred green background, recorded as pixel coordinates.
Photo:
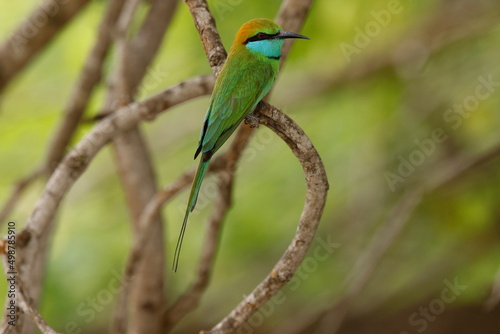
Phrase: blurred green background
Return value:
(369, 89)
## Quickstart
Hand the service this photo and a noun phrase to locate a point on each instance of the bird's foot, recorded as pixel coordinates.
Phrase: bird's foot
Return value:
(252, 121)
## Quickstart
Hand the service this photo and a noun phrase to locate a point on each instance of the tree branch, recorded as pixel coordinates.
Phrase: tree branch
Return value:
(89, 78)
(44, 23)
(29, 268)
(135, 166)
(317, 187)
(39, 224)
(205, 24)
(23, 302)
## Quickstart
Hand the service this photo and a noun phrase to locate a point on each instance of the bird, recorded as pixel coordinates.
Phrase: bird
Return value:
(245, 78)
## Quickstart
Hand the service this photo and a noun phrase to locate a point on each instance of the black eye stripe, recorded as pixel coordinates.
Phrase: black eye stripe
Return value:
(260, 36)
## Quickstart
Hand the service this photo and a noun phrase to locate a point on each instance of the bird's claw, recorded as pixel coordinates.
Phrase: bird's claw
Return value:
(252, 121)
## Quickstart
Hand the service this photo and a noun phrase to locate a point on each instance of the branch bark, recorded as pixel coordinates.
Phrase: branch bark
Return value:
(292, 15)
(24, 303)
(135, 164)
(31, 252)
(317, 187)
(205, 24)
(188, 301)
(89, 78)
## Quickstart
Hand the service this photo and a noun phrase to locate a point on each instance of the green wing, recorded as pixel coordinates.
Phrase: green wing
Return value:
(235, 96)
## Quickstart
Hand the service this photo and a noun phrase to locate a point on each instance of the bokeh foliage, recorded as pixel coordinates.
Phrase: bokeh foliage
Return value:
(364, 126)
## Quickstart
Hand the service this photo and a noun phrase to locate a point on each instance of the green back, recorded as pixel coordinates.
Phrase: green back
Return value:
(244, 80)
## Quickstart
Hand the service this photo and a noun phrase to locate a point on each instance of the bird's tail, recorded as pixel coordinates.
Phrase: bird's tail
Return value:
(193, 196)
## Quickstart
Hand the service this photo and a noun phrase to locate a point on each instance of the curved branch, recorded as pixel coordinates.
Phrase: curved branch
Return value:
(73, 165)
(75, 162)
(292, 14)
(89, 78)
(317, 187)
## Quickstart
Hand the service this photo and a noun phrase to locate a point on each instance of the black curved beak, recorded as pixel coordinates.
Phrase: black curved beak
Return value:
(289, 34)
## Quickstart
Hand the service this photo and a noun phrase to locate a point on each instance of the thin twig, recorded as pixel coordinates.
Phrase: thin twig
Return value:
(17, 192)
(452, 169)
(122, 85)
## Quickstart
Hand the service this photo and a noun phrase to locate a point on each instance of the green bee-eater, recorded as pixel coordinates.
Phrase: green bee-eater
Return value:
(246, 77)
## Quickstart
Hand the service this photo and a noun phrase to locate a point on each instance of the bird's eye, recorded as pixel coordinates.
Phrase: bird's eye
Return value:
(261, 35)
